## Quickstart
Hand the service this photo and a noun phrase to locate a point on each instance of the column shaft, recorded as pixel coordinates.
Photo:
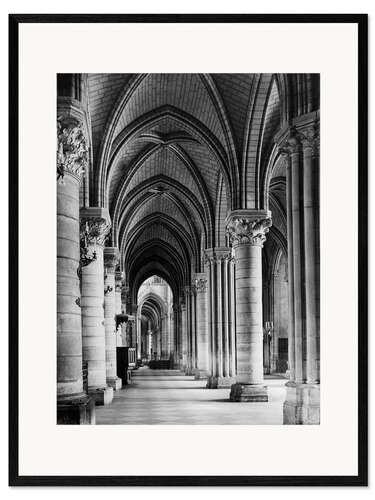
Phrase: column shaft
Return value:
(69, 332)
(73, 404)
(219, 317)
(110, 260)
(247, 233)
(94, 228)
(311, 265)
(297, 266)
(289, 218)
(202, 327)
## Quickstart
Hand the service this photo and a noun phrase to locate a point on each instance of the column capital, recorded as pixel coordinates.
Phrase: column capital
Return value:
(72, 153)
(111, 258)
(306, 137)
(200, 282)
(248, 227)
(119, 276)
(218, 254)
(310, 139)
(291, 144)
(95, 225)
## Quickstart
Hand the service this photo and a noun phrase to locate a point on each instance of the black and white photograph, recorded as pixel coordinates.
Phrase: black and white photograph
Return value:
(188, 249)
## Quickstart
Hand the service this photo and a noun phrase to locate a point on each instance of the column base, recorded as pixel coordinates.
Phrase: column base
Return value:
(220, 382)
(302, 404)
(102, 396)
(200, 374)
(115, 382)
(78, 411)
(189, 372)
(248, 393)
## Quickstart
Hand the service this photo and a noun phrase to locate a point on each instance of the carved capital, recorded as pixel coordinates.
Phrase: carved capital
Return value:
(310, 139)
(111, 258)
(94, 230)
(200, 282)
(218, 255)
(95, 226)
(248, 228)
(292, 144)
(119, 276)
(125, 294)
(72, 153)
(302, 138)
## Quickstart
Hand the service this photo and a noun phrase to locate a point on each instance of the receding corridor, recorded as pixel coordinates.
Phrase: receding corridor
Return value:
(188, 240)
(168, 397)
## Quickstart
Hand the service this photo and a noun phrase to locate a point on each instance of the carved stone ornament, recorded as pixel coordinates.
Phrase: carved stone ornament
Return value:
(94, 230)
(310, 139)
(217, 255)
(307, 138)
(111, 257)
(72, 149)
(201, 285)
(292, 144)
(125, 293)
(242, 230)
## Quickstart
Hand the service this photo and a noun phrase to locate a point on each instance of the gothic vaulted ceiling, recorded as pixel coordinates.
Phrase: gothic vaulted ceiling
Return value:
(173, 153)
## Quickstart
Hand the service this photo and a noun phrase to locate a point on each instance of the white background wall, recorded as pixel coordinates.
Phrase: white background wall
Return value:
(159, 6)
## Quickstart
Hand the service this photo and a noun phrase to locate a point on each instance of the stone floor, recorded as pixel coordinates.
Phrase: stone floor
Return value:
(169, 397)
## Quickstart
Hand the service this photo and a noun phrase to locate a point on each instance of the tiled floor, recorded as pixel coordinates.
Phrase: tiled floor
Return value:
(169, 397)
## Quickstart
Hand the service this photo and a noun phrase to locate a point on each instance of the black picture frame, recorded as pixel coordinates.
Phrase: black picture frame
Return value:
(361, 479)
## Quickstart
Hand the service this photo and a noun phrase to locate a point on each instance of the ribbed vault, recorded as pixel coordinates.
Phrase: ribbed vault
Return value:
(174, 153)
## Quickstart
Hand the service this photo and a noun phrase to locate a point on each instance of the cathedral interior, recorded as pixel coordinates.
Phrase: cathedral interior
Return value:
(188, 249)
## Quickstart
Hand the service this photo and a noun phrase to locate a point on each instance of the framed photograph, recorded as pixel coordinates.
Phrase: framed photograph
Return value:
(190, 302)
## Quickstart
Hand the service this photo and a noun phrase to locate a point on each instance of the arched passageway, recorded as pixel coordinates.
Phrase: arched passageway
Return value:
(190, 205)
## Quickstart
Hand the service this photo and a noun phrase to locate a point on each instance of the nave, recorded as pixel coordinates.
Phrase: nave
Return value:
(188, 239)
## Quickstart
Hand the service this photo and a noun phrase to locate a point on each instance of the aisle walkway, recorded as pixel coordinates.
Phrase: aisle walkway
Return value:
(169, 397)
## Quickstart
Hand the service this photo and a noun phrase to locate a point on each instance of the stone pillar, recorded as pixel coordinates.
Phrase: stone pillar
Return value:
(165, 344)
(118, 290)
(247, 230)
(302, 403)
(73, 404)
(111, 257)
(200, 283)
(193, 330)
(310, 146)
(118, 300)
(95, 226)
(218, 261)
(176, 336)
(188, 330)
(184, 336)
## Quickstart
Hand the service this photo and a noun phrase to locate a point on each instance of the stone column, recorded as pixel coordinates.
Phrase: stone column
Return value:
(200, 283)
(184, 337)
(289, 218)
(188, 330)
(118, 290)
(165, 343)
(118, 300)
(310, 145)
(302, 403)
(73, 404)
(95, 226)
(193, 333)
(218, 261)
(176, 327)
(247, 230)
(111, 257)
